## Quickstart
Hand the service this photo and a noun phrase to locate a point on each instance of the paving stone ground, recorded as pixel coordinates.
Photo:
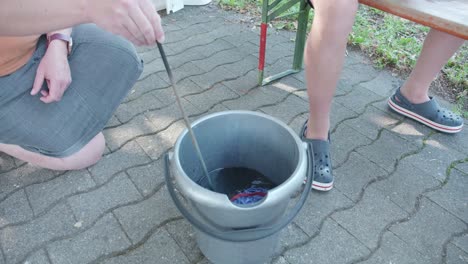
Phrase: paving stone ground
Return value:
(400, 194)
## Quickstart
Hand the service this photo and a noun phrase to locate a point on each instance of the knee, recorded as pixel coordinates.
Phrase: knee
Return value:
(333, 19)
(86, 157)
(95, 152)
(336, 11)
(107, 44)
(343, 8)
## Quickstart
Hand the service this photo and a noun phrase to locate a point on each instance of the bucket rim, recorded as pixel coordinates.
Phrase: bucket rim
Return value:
(202, 193)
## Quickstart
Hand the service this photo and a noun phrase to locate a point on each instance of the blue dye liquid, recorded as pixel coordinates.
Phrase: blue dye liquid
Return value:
(231, 181)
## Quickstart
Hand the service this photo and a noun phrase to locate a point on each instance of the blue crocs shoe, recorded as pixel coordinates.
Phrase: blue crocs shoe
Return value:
(323, 177)
(428, 113)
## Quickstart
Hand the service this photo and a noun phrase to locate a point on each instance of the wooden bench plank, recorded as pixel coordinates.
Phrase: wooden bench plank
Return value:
(449, 16)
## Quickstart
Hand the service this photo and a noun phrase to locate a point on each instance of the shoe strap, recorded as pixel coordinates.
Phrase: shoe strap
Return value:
(427, 109)
(319, 146)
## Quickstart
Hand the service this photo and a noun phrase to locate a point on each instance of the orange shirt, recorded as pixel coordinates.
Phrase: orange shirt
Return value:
(15, 52)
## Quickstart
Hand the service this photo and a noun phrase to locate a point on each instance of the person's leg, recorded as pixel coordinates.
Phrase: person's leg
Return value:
(412, 99)
(324, 57)
(66, 135)
(87, 156)
(437, 49)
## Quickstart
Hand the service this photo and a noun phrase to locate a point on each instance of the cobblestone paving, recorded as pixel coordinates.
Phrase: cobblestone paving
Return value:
(401, 189)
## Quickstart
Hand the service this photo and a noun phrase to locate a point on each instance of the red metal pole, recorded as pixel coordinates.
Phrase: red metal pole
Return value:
(263, 36)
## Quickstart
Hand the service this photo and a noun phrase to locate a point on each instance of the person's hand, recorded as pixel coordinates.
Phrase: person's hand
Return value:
(54, 69)
(136, 20)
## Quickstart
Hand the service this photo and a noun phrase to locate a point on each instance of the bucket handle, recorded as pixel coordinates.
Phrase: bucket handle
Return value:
(240, 235)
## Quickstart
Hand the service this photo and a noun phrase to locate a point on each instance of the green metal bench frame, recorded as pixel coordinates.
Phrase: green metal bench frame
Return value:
(271, 11)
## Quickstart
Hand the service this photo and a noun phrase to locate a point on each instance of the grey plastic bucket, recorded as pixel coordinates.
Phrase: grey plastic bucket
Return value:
(227, 233)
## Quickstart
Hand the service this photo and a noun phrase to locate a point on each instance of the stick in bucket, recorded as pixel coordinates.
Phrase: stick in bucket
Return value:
(187, 123)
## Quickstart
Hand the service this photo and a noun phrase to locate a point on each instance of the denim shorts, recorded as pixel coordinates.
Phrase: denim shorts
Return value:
(103, 66)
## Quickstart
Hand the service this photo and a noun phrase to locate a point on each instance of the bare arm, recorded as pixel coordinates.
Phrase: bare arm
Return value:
(29, 17)
(136, 20)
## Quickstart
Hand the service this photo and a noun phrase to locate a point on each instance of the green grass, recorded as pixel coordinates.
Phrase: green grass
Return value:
(235, 4)
(389, 40)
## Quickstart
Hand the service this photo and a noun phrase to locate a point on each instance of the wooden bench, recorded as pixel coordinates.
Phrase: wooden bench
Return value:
(449, 16)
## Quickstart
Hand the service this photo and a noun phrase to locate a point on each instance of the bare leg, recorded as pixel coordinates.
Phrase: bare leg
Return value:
(437, 49)
(87, 156)
(324, 57)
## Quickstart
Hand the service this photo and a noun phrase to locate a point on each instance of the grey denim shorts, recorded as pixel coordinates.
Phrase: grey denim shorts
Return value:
(104, 67)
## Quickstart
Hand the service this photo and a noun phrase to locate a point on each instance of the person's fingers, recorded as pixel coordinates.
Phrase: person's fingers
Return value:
(154, 18)
(126, 34)
(38, 82)
(160, 36)
(55, 93)
(143, 23)
(47, 99)
(113, 16)
(133, 32)
(63, 87)
(44, 93)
